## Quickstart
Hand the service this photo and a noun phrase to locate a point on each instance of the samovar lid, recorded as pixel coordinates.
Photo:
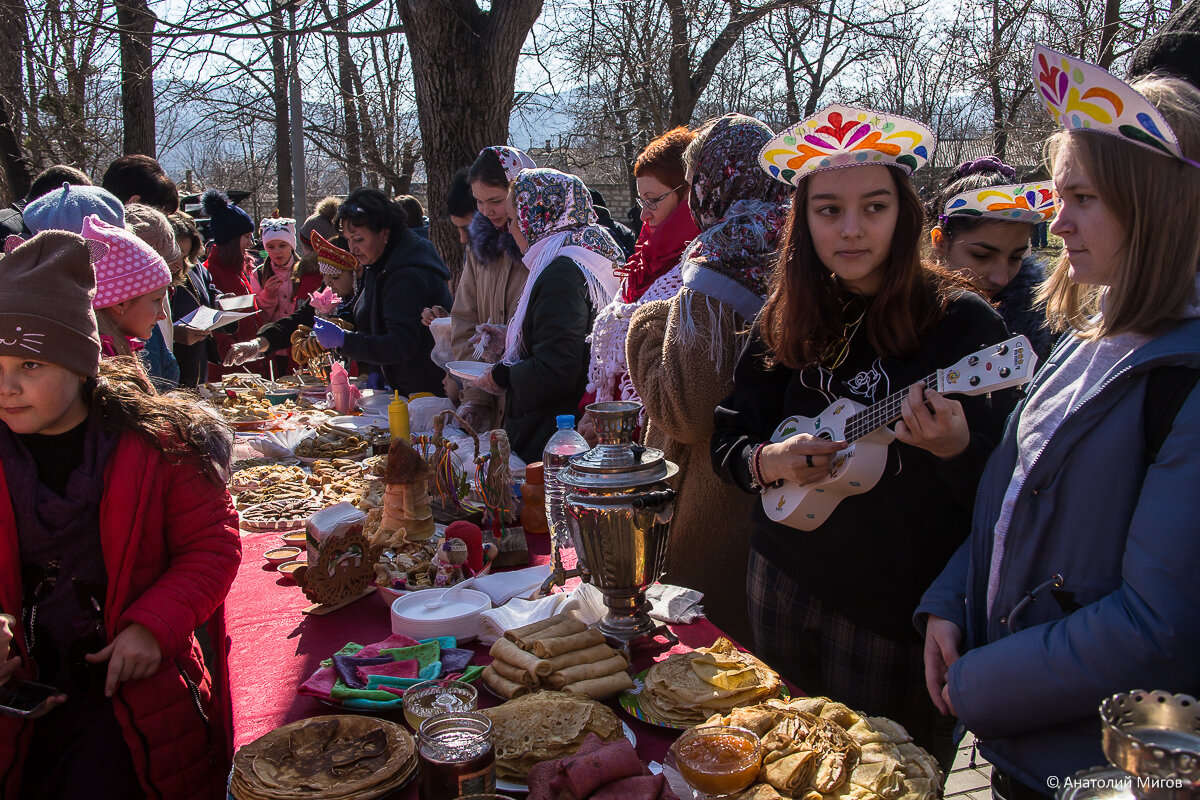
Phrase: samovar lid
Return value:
(616, 462)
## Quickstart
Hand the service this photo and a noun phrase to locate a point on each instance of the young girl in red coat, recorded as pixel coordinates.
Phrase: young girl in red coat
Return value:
(117, 540)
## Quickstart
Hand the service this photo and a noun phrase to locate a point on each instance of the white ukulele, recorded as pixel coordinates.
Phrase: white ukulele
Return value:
(858, 468)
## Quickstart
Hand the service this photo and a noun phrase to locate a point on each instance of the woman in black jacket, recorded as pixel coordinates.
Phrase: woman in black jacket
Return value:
(402, 275)
(571, 260)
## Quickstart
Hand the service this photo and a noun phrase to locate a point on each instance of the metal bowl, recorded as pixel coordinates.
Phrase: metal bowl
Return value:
(1153, 734)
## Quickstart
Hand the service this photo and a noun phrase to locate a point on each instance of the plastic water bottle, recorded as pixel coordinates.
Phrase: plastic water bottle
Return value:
(565, 442)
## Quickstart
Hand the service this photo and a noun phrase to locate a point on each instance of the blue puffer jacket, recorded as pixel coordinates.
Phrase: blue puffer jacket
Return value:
(1123, 538)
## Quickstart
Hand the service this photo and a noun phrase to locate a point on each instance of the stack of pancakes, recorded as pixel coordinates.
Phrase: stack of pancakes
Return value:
(687, 688)
(545, 726)
(334, 758)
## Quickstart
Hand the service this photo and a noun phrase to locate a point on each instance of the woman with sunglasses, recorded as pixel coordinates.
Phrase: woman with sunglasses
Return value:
(681, 351)
(402, 276)
(854, 313)
(651, 273)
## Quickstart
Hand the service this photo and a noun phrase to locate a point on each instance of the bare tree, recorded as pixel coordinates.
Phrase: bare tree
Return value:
(137, 76)
(464, 62)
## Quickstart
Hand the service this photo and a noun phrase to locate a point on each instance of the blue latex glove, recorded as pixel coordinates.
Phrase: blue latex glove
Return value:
(375, 380)
(328, 335)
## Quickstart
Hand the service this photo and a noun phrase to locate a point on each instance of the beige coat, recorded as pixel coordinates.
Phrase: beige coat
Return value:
(487, 292)
(680, 385)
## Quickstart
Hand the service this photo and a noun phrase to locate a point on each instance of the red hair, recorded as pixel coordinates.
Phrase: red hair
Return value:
(663, 157)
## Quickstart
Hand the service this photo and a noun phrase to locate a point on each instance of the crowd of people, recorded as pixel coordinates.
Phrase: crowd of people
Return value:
(1014, 544)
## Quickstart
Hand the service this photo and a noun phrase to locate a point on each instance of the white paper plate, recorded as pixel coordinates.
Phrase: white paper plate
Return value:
(510, 786)
(356, 424)
(468, 370)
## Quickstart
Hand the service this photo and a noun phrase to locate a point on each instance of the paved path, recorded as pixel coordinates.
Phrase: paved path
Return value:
(969, 782)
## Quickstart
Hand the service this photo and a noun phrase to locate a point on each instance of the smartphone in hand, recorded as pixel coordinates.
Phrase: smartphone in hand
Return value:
(21, 698)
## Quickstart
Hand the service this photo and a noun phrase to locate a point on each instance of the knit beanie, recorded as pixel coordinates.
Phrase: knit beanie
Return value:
(46, 289)
(321, 222)
(226, 221)
(130, 268)
(331, 259)
(152, 227)
(65, 209)
(1174, 48)
(279, 228)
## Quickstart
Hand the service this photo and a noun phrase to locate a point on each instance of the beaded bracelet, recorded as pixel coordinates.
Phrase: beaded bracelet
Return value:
(757, 484)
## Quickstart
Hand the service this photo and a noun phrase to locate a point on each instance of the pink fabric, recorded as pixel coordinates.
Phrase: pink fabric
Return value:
(130, 269)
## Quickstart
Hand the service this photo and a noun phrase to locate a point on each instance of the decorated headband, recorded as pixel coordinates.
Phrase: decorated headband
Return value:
(512, 160)
(1014, 202)
(1080, 95)
(331, 259)
(843, 136)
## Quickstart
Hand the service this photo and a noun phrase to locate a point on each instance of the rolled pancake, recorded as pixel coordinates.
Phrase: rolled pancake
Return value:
(791, 773)
(598, 669)
(503, 686)
(589, 655)
(550, 647)
(514, 635)
(515, 674)
(505, 650)
(759, 791)
(565, 628)
(601, 688)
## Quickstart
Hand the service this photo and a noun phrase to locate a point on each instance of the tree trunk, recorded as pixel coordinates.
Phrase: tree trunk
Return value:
(14, 168)
(354, 170)
(464, 65)
(137, 76)
(279, 97)
(1108, 33)
(408, 162)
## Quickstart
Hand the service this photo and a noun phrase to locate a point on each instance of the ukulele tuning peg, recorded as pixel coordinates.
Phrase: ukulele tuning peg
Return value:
(1002, 350)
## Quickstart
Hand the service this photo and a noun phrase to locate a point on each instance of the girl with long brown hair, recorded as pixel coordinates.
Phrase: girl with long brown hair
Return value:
(854, 313)
(1079, 578)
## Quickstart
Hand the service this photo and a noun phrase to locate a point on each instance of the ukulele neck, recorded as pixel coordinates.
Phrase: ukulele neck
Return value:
(885, 412)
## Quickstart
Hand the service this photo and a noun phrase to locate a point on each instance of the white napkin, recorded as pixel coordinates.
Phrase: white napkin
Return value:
(504, 586)
(517, 612)
(279, 444)
(675, 604)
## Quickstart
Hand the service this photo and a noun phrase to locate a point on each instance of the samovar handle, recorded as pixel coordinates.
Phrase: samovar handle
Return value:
(656, 498)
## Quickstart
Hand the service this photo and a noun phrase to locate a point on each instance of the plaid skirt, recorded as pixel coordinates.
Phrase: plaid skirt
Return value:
(825, 653)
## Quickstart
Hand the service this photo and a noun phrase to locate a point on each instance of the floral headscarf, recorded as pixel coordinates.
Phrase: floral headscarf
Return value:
(512, 160)
(556, 217)
(739, 208)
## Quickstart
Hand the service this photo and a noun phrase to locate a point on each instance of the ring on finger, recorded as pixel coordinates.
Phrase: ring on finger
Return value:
(808, 460)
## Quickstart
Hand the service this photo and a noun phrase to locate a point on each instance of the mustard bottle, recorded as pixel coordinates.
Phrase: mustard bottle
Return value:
(398, 418)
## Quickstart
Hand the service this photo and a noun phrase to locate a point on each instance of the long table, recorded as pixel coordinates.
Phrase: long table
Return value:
(274, 648)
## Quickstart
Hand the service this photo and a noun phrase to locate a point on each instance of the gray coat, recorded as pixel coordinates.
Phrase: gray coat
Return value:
(1125, 540)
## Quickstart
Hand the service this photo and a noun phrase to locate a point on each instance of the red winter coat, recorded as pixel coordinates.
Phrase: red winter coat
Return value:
(171, 550)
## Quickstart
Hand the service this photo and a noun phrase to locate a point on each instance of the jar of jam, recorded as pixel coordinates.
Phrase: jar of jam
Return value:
(455, 756)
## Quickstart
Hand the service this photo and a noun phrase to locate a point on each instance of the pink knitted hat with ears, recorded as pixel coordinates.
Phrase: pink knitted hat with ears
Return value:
(130, 268)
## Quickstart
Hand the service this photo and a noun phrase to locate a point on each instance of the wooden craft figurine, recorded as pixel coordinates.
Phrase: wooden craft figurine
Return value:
(407, 516)
(449, 485)
(493, 483)
(344, 571)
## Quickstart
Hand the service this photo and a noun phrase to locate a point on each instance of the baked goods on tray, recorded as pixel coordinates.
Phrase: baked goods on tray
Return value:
(250, 478)
(345, 757)
(814, 748)
(545, 726)
(277, 515)
(291, 490)
(688, 688)
(332, 445)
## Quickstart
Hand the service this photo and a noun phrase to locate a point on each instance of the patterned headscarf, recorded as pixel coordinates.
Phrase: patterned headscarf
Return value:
(556, 217)
(738, 207)
(512, 160)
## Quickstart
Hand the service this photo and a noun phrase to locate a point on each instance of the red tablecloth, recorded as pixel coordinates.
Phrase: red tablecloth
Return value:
(274, 648)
